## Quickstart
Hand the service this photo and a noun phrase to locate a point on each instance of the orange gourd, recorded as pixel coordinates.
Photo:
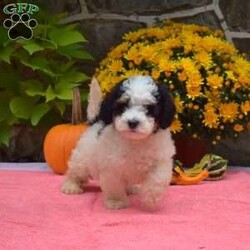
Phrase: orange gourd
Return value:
(62, 139)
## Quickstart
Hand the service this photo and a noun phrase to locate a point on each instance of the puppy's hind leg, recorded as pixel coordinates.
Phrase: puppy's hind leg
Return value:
(76, 176)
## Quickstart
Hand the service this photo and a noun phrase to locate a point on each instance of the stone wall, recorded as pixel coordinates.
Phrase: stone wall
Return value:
(105, 21)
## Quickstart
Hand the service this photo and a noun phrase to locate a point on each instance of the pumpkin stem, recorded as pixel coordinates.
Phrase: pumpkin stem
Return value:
(76, 107)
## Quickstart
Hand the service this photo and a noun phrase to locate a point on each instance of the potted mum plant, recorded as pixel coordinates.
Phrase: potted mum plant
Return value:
(208, 78)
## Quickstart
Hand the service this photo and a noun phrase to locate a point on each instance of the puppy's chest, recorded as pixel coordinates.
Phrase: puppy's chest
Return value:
(134, 165)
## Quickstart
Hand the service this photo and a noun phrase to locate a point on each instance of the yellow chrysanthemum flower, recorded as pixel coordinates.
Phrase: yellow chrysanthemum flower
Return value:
(193, 91)
(166, 65)
(155, 74)
(209, 107)
(219, 33)
(116, 66)
(191, 42)
(148, 52)
(211, 119)
(102, 75)
(194, 79)
(228, 111)
(211, 43)
(109, 82)
(182, 76)
(133, 54)
(105, 62)
(238, 128)
(215, 81)
(230, 75)
(176, 126)
(245, 107)
(133, 72)
(244, 80)
(188, 65)
(133, 36)
(155, 32)
(242, 68)
(178, 104)
(236, 86)
(171, 43)
(204, 59)
(118, 51)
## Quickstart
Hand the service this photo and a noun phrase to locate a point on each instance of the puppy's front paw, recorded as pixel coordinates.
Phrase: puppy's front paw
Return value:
(116, 204)
(71, 187)
(134, 189)
(151, 198)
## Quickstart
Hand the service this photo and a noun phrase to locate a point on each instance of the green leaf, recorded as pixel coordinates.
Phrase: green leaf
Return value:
(72, 77)
(21, 107)
(80, 54)
(4, 134)
(48, 72)
(79, 77)
(35, 63)
(65, 94)
(32, 47)
(11, 119)
(60, 105)
(38, 112)
(4, 107)
(9, 79)
(70, 26)
(49, 94)
(4, 36)
(5, 54)
(38, 63)
(64, 90)
(33, 88)
(75, 52)
(64, 37)
(84, 95)
(66, 66)
(47, 44)
(63, 85)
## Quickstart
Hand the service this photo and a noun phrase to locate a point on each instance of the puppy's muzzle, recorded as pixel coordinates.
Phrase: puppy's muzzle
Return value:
(133, 124)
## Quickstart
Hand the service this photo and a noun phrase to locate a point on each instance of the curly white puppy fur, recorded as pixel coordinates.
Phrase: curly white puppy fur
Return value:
(128, 144)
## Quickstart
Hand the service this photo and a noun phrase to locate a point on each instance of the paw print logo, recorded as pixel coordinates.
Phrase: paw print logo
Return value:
(20, 26)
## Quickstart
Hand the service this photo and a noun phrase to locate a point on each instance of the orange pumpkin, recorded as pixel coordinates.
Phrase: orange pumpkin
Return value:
(61, 139)
(58, 144)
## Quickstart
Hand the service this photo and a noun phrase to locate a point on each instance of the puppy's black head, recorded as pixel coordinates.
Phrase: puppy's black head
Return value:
(109, 104)
(167, 107)
(153, 100)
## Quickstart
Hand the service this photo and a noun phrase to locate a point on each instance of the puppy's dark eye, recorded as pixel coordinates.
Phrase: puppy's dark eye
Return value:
(120, 107)
(152, 110)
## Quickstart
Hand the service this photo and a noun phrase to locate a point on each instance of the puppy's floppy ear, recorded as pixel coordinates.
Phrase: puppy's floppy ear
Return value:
(107, 105)
(167, 110)
(94, 100)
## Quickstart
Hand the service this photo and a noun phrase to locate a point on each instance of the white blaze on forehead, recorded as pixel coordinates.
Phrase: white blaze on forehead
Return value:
(140, 90)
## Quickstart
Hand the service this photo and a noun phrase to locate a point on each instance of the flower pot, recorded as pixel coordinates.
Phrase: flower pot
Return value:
(189, 150)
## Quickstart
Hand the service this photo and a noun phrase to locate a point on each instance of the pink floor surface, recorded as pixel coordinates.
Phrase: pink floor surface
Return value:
(34, 214)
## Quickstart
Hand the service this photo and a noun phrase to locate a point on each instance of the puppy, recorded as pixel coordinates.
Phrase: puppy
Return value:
(128, 145)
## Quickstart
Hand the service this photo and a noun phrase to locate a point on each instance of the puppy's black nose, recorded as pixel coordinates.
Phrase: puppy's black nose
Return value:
(133, 123)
